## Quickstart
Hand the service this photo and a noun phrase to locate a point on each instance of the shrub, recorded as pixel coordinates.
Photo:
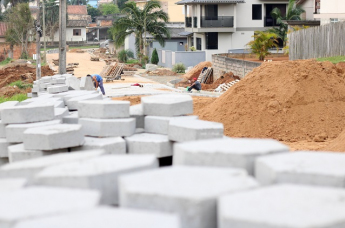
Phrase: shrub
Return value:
(21, 85)
(179, 68)
(17, 97)
(192, 48)
(124, 55)
(154, 57)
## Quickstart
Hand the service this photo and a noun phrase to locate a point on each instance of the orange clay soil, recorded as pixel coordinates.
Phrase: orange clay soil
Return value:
(289, 100)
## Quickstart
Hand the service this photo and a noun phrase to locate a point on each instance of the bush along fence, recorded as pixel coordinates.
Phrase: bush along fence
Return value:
(316, 42)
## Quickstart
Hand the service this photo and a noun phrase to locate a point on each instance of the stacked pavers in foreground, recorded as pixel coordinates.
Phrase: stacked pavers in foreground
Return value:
(79, 160)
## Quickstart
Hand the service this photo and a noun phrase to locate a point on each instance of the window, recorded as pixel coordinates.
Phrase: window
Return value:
(211, 40)
(211, 12)
(256, 12)
(198, 44)
(76, 32)
(334, 20)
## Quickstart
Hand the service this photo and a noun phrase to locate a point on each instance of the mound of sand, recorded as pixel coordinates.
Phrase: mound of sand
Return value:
(195, 72)
(287, 100)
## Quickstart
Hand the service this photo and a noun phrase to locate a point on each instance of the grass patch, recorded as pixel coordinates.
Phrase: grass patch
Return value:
(334, 59)
(132, 61)
(85, 47)
(34, 63)
(21, 85)
(47, 49)
(17, 97)
(6, 61)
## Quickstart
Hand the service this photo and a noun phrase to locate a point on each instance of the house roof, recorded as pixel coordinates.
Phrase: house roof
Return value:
(3, 29)
(77, 23)
(76, 9)
(174, 33)
(106, 23)
(185, 33)
(187, 2)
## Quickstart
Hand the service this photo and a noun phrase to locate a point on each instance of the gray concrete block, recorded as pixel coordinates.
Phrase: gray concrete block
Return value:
(111, 145)
(4, 161)
(139, 131)
(158, 145)
(190, 192)
(96, 174)
(15, 132)
(302, 167)
(57, 88)
(73, 94)
(12, 184)
(106, 217)
(4, 148)
(27, 114)
(46, 79)
(167, 105)
(228, 152)
(72, 118)
(8, 104)
(57, 81)
(38, 202)
(44, 85)
(100, 109)
(86, 83)
(137, 112)
(283, 206)
(182, 130)
(29, 168)
(2, 130)
(160, 124)
(73, 83)
(72, 104)
(108, 127)
(57, 102)
(60, 113)
(53, 137)
(41, 97)
(17, 153)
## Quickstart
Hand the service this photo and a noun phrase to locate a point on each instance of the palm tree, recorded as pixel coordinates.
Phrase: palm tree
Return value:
(149, 20)
(262, 42)
(293, 13)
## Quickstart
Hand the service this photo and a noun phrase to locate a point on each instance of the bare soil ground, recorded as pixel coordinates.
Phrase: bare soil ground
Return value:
(254, 59)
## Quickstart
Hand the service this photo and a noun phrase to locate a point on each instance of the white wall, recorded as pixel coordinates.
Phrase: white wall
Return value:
(241, 38)
(224, 44)
(69, 35)
(309, 7)
(332, 6)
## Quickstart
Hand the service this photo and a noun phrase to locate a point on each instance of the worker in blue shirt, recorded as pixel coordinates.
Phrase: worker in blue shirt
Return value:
(98, 82)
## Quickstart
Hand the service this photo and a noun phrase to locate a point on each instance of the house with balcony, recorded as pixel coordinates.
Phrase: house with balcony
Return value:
(329, 11)
(217, 26)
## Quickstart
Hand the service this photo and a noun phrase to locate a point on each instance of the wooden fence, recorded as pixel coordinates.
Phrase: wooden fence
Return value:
(316, 42)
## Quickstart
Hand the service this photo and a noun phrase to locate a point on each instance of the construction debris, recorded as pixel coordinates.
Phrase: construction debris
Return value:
(93, 58)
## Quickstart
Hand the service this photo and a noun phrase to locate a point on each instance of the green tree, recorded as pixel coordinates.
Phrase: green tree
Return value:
(93, 12)
(124, 55)
(51, 18)
(20, 22)
(293, 13)
(262, 42)
(149, 20)
(121, 4)
(154, 57)
(109, 8)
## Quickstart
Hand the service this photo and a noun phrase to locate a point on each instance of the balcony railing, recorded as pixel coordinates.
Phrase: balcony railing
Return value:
(188, 22)
(221, 21)
(270, 21)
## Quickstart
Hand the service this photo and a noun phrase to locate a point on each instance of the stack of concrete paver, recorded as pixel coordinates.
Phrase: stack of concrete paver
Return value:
(79, 160)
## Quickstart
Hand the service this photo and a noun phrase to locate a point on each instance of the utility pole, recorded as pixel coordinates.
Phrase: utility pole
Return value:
(44, 33)
(62, 37)
(38, 44)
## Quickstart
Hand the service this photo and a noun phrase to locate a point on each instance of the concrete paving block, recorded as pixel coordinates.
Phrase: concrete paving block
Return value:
(19, 153)
(46, 79)
(99, 173)
(38, 202)
(72, 82)
(60, 113)
(182, 130)
(111, 145)
(106, 217)
(53, 137)
(108, 127)
(27, 114)
(44, 85)
(302, 167)
(145, 143)
(137, 112)
(15, 132)
(160, 124)
(86, 83)
(73, 94)
(57, 88)
(167, 105)
(2, 130)
(72, 118)
(283, 206)
(56, 81)
(103, 109)
(39, 98)
(72, 104)
(139, 131)
(57, 102)
(228, 152)
(4, 148)
(7, 104)
(4, 161)
(29, 168)
(12, 184)
(190, 192)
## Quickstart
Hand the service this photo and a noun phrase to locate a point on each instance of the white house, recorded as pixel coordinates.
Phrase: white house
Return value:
(330, 11)
(216, 26)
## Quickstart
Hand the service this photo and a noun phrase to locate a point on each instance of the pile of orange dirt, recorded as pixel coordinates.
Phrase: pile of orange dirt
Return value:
(162, 72)
(195, 72)
(126, 68)
(21, 72)
(226, 78)
(289, 101)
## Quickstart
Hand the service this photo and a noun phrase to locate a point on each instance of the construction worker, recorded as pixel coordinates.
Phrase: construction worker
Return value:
(195, 85)
(98, 82)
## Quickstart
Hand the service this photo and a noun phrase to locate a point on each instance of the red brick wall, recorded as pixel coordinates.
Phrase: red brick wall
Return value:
(5, 50)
